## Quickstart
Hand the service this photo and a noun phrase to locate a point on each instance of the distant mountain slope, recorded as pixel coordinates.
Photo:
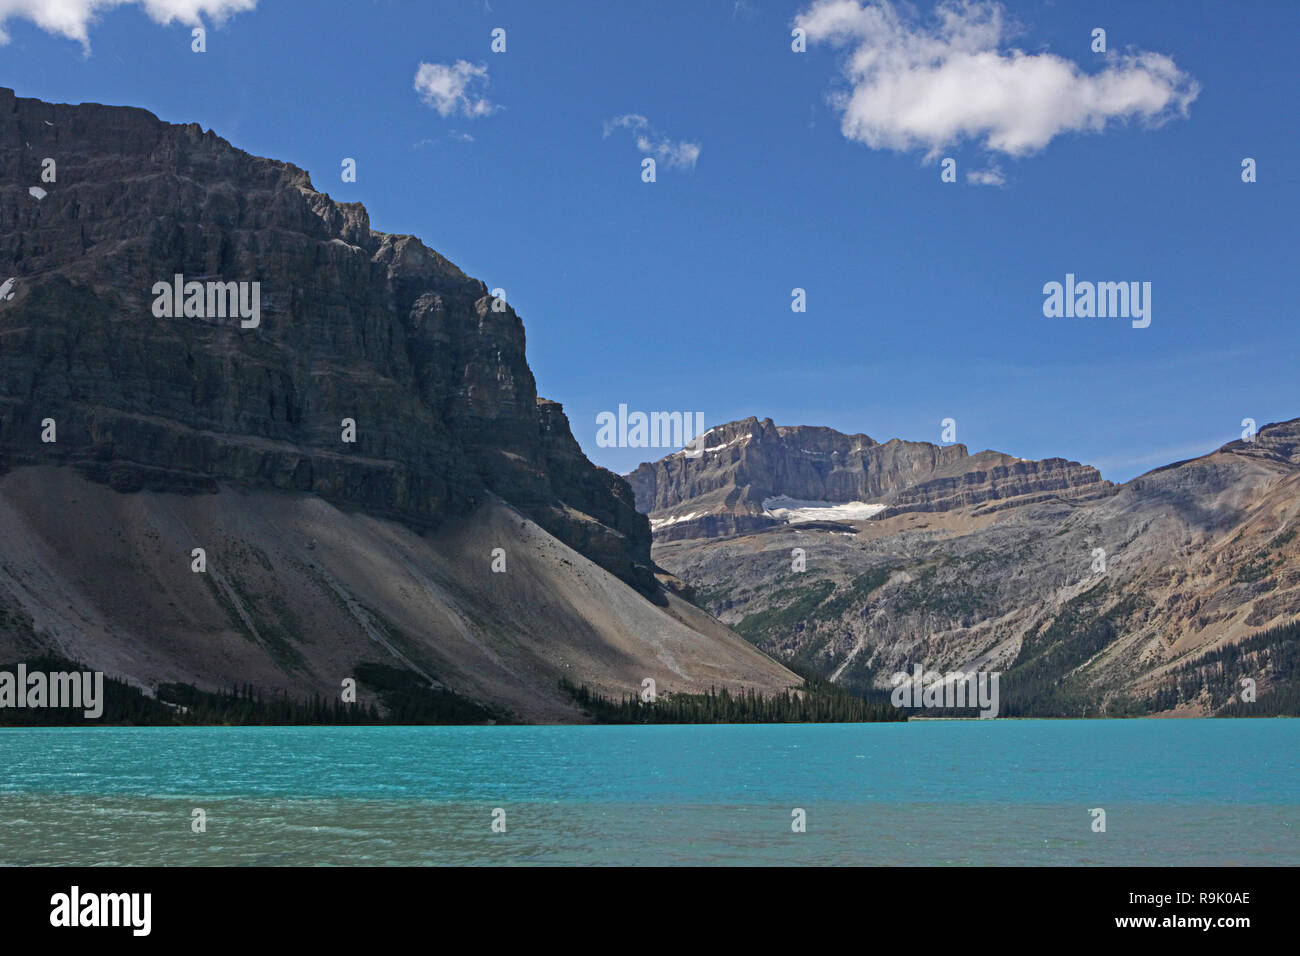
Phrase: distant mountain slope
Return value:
(218, 431)
(986, 560)
(746, 464)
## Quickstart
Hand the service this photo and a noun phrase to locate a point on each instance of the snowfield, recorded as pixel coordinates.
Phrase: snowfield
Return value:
(795, 511)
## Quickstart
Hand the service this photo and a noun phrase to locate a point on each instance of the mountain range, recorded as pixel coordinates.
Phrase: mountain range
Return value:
(246, 439)
(857, 560)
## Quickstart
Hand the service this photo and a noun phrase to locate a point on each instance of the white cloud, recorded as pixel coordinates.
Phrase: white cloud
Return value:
(454, 89)
(987, 177)
(681, 154)
(73, 18)
(632, 121)
(915, 86)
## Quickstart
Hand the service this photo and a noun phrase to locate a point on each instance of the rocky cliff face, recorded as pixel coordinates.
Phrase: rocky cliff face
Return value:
(462, 536)
(746, 463)
(354, 324)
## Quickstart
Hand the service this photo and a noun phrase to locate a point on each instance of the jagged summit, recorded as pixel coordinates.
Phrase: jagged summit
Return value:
(751, 470)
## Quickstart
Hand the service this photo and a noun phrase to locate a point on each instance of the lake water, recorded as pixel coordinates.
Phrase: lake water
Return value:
(1204, 792)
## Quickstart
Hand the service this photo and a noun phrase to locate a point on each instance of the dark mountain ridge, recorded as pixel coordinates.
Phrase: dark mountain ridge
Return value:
(341, 420)
(356, 324)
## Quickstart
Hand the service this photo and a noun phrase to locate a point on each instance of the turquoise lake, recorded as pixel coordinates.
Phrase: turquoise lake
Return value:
(1001, 792)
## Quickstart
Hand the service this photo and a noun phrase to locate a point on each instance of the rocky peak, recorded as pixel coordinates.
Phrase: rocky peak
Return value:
(1278, 442)
(354, 325)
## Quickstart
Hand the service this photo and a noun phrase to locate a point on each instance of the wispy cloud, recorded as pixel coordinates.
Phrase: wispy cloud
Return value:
(987, 177)
(73, 18)
(681, 154)
(928, 86)
(454, 90)
(1158, 458)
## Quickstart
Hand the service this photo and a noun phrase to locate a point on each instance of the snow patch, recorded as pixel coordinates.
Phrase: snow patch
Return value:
(657, 523)
(733, 441)
(728, 444)
(795, 511)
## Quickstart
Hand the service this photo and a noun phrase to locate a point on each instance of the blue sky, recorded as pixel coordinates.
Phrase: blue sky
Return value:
(924, 298)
